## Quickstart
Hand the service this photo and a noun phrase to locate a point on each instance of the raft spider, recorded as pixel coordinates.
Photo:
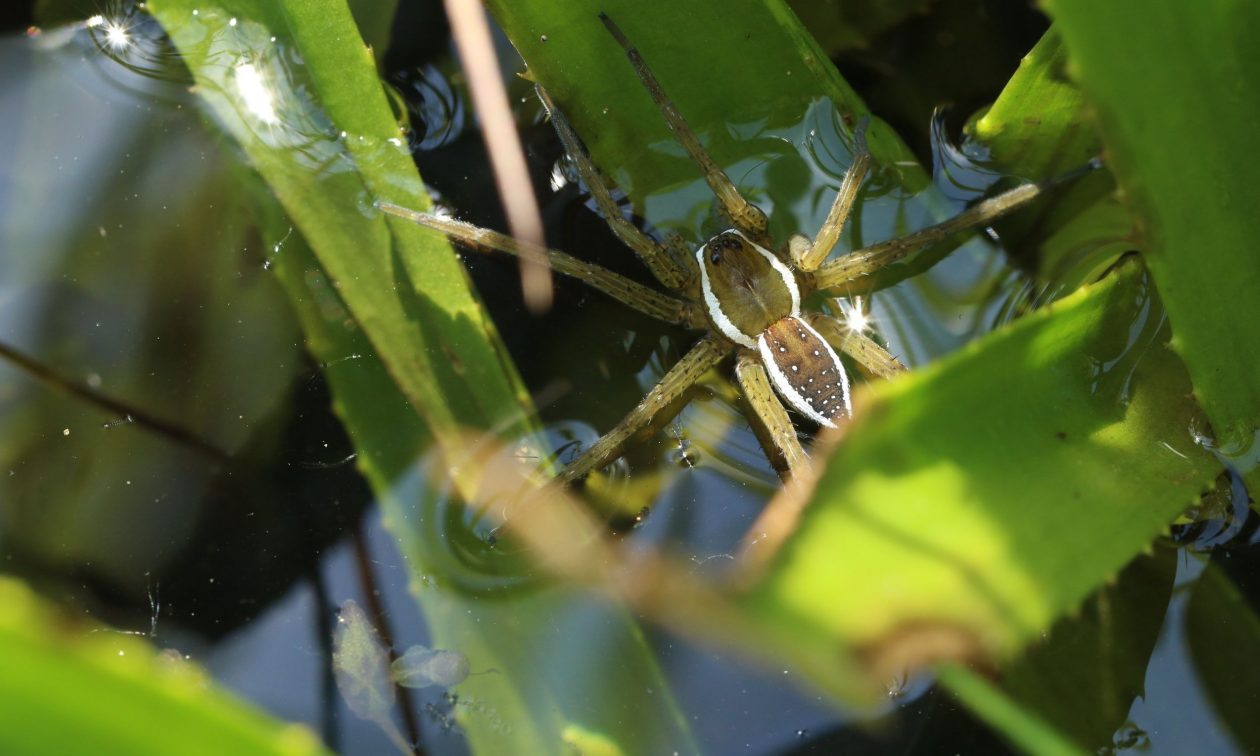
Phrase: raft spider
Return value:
(743, 297)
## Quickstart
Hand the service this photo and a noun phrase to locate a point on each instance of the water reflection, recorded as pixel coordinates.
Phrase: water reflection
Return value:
(435, 110)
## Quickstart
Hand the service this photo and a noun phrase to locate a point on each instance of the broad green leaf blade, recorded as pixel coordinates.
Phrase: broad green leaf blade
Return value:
(975, 501)
(1037, 128)
(67, 688)
(762, 72)
(293, 83)
(1172, 86)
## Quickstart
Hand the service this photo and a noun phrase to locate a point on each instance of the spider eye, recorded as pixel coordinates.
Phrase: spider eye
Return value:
(715, 255)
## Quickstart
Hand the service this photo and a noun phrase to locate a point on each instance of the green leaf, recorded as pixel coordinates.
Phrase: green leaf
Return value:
(727, 79)
(67, 686)
(1171, 84)
(321, 133)
(975, 501)
(1036, 129)
(1085, 677)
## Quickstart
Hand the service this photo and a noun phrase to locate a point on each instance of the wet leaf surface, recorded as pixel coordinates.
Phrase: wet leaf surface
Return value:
(1180, 163)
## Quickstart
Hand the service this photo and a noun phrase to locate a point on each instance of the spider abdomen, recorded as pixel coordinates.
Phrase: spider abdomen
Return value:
(805, 370)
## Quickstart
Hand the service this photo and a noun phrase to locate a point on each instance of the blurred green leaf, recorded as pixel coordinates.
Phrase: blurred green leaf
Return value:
(975, 501)
(67, 687)
(1182, 161)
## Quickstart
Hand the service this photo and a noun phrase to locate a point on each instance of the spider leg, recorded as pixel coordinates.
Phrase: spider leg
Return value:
(810, 255)
(870, 355)
(628, 292)
(872, 259)
(656, 257)
(780, 432)
(682, 376)
(747, 217)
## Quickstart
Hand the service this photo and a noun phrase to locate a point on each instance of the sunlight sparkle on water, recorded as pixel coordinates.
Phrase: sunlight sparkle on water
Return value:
(855, 317)
(255, 92)
(116, 35)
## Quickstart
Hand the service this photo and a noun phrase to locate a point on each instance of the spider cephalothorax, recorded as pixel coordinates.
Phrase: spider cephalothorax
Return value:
(746, 298)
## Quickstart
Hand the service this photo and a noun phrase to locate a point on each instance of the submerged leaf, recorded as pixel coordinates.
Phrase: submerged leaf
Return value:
(362, 665)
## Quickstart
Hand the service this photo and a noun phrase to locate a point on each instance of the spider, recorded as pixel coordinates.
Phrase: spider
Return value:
(744, 297)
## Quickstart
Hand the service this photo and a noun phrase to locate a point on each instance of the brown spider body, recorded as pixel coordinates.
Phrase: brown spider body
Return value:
(754, 299)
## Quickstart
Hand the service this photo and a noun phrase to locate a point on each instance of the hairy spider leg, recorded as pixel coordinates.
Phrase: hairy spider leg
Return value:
(780, 434)
(869, 260)
(871, 356)
(664, 396)
(630, 293)
(659, 259)
(746, 216)
(806, 255)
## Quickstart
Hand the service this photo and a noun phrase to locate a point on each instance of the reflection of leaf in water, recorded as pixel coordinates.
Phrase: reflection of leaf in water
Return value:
(361, 663)
(421, 667)
(362, 666)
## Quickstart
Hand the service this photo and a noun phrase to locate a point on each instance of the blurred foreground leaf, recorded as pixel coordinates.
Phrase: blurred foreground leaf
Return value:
(68, 689)
(973, 502)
